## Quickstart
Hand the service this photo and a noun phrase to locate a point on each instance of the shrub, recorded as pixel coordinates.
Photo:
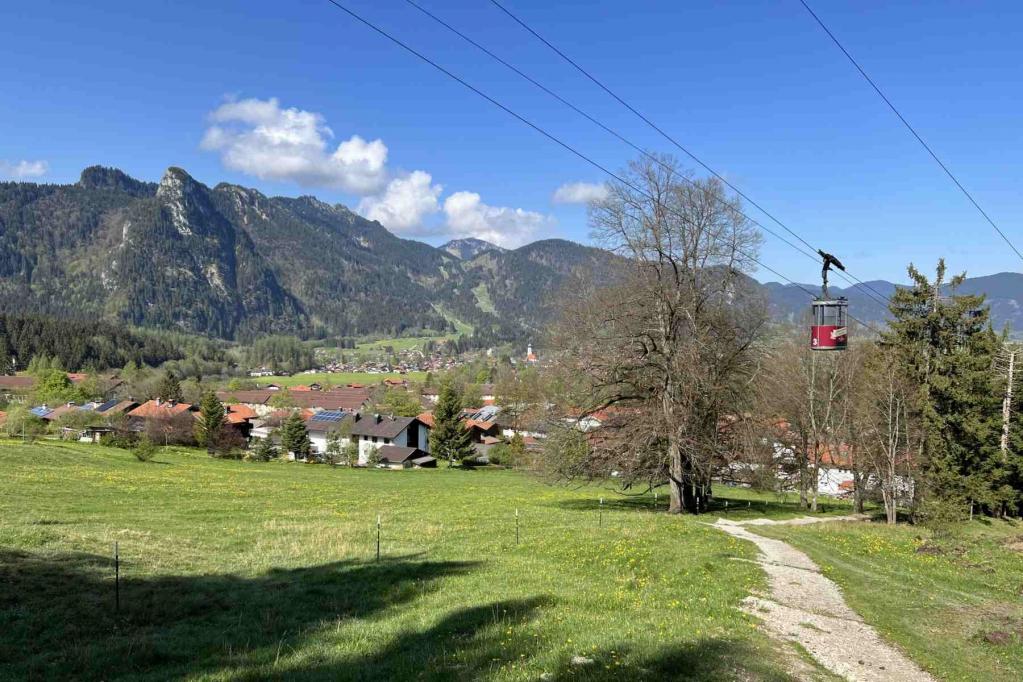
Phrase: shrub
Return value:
(942, 515)
(124, 440)
(144, 449)
(265, 450)
(498, 454)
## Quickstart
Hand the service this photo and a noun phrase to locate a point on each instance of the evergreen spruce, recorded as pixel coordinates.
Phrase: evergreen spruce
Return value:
(295, 437)
(169, 388)
(209, 427)
(449, 438)
(947, 347)
(265, 450)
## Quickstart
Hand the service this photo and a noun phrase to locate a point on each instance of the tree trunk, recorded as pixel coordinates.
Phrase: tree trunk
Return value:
(803, 463)
(676, 481)
(858, 479)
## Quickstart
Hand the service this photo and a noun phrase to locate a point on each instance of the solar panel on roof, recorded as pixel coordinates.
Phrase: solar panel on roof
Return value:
(329, 416)
(106, 406)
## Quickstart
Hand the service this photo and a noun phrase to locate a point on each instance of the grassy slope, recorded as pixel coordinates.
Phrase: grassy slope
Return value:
(238, 570)
(938, 607)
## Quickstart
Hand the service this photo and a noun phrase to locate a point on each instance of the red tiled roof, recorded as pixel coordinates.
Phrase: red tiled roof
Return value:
(242, 411)
(123, 406)
(426, 418)
(481, 425)
(159, 409)
(17, 383)
(3, 418)
(251, 397)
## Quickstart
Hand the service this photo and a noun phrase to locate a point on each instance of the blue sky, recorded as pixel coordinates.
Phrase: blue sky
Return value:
(753, 86)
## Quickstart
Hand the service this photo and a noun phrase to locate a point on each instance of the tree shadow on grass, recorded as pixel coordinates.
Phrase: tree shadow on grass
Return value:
(58, 618)
(705, 659)
(466, 644)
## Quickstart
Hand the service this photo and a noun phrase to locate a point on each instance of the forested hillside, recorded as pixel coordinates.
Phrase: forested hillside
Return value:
(230, 262)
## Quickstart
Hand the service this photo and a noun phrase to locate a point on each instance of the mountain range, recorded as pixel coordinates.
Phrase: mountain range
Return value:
(231, 262)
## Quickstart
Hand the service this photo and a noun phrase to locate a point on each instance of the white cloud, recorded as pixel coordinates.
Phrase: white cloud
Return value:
(260, 138)
(468, 216)
(404, 203)
(22, 169)
(580, 193)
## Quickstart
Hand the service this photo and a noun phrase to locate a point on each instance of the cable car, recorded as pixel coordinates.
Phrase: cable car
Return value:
(829, 327)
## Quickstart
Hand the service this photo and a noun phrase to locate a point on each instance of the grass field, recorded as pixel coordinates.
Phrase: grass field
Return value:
(235, 570)
(339, 378)
(956, 606)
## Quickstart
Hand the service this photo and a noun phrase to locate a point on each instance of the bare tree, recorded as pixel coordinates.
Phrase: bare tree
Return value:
(669, 344)
(807, 394)
(888, 427)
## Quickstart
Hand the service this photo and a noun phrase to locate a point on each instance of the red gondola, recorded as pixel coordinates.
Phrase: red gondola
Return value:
(829, 329)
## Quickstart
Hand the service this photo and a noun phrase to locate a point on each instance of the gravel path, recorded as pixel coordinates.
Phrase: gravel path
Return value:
(805, 607)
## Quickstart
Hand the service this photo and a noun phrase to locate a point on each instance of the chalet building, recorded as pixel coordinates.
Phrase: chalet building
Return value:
(321, 424)
(370, 432)
(14, 388)
(398, 457)
(375, 431)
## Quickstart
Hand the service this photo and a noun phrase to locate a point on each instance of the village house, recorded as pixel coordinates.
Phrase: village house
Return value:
(262, 403)
(398, 457)
(375, 431)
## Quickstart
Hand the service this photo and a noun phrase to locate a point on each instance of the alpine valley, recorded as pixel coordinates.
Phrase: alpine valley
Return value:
(232, 263)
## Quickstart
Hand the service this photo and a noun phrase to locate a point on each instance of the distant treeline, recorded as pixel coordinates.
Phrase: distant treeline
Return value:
(78, 344)
(280, 353)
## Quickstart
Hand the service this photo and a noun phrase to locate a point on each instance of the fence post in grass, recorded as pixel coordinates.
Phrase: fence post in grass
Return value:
(516, 526)
(726, 506)
(655, 498)
(117, 578)
(378, 537)
(600, 514)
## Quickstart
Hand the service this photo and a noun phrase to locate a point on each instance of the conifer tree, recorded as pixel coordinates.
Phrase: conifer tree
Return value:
(265, 450)
(295, 436)
(209, 427)
(946, 346)
(169, 388)
(449, 438)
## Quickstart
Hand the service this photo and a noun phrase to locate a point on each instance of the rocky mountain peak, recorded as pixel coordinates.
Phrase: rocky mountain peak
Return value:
(469, 247)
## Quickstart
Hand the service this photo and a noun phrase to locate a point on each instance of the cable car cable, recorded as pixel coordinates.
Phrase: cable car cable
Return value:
(673, 141)
(547, 134)
(910, 128)
(586, 115)
(872, 294)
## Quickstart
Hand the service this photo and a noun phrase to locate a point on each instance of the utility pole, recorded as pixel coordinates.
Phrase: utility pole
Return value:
(1007, 404)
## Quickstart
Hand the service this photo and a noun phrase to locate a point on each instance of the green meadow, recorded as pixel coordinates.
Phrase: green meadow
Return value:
(954, 603)
(234, 570)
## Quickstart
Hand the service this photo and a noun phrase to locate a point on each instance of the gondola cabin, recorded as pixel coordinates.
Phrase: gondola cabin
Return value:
(829, 329)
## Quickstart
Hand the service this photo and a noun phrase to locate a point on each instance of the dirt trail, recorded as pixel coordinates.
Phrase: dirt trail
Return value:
(805, 607)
